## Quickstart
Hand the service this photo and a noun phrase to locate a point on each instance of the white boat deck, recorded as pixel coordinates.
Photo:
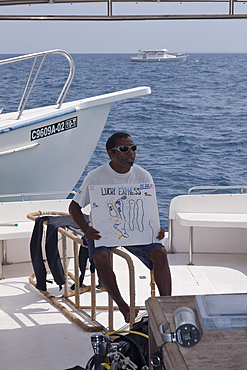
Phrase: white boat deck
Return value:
(36, 335)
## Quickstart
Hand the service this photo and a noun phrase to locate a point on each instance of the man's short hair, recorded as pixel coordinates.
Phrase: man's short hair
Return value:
(111, 142)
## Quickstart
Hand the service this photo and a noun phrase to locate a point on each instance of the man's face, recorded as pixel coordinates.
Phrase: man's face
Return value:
(122, 162)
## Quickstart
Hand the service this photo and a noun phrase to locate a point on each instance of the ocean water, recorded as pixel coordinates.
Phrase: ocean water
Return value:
(191, 130)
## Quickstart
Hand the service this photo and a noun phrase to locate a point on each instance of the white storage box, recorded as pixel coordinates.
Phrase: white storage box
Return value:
(222, 311)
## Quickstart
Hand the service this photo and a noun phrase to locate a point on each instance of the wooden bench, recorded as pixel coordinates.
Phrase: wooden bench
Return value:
(208, 223)
(15, 225)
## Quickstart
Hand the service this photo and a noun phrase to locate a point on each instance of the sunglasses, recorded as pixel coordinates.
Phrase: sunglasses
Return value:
(126, 148)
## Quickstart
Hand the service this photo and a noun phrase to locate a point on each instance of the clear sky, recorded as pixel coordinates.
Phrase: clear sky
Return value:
(126, 36)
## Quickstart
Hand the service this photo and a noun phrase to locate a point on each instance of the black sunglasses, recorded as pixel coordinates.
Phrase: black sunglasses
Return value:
(126, 148)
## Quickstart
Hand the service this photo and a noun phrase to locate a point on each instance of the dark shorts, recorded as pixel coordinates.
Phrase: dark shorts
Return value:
(140, 251)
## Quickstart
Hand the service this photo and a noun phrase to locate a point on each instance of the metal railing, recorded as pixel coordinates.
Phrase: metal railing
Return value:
(23, 195)
(170, 221)
(35, 56)
(217, 188)
(91, 324)
(110, 13)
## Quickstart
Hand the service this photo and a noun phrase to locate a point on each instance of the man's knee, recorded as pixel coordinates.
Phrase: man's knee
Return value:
(101, 259)
(158, 254)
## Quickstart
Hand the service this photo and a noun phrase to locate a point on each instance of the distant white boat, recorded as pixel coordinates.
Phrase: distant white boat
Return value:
(159, 55)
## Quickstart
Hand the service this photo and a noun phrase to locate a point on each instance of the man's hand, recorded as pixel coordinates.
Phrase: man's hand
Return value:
(161, 234)
(92, 234)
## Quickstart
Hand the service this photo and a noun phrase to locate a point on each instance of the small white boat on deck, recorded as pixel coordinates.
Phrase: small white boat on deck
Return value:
(159, 55)
(39, 143)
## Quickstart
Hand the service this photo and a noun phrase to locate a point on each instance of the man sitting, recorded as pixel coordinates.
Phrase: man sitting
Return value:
(120, 170)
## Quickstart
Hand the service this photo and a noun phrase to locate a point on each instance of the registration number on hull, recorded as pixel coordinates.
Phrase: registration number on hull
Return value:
(53, 129)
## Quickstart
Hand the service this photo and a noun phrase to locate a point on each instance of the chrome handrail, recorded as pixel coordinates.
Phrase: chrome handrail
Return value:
(35, 56)
(111, 13)
(217, 188)
(23, 195)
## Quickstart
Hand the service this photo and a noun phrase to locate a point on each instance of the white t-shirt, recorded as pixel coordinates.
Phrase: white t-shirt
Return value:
(105, 175)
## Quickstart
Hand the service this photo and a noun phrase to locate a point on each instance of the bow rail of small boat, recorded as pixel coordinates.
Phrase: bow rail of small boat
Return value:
(29, 86)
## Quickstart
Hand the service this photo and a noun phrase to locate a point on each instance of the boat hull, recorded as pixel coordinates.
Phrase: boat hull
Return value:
(48, 149)
(155, 60)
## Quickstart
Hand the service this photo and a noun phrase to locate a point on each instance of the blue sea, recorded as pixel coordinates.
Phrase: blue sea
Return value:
(191, 130)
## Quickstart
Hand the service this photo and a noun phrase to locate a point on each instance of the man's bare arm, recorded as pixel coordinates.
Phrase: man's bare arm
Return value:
(77, 216)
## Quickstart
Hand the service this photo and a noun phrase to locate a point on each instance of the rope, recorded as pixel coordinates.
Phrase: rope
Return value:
(131, 282)
(76, 268)
(105, 365)
(128, 331)
(110, 302)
